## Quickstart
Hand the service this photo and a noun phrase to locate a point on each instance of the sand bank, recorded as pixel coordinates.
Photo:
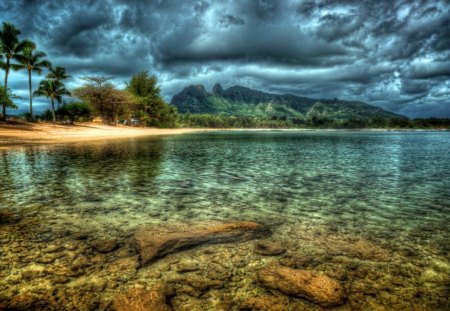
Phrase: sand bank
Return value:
(23, 133)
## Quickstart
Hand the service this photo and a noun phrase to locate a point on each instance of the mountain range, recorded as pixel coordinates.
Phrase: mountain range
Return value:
(242, 101)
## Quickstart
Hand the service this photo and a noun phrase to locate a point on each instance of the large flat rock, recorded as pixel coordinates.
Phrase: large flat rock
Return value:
(154, 242)
(311, 285)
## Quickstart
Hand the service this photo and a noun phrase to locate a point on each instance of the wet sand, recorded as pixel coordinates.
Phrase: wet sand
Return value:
(24, 133)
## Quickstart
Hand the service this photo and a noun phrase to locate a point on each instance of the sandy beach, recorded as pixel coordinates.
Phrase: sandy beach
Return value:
(24, 133)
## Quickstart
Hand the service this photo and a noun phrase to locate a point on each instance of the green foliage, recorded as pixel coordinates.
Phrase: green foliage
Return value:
(241, 101)
(150, 108)
(80, 112)
(10, 48)
(33, 61)
(108, 102)
(142, 85)
(58, 73)
(6, 98)
(52, 89)
(224, 121)
(47, 115)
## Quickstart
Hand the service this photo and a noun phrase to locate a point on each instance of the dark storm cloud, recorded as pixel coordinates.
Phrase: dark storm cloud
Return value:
(393, 54)
(228, 20)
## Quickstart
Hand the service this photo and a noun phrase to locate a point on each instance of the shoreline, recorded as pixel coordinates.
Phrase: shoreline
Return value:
(20, 134)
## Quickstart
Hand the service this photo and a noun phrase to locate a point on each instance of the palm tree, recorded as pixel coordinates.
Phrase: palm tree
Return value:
(52, 89)
(59, 74)
(11, 48)
(32, 60)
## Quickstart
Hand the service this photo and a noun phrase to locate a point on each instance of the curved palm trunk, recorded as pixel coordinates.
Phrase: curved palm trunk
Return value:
(53, 110)
(6, 90)
(31, 96)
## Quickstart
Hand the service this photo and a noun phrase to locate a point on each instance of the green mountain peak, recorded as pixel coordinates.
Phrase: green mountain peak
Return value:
(243, 101)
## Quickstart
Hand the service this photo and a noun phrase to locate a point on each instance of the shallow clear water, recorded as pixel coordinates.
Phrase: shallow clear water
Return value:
(317, 189)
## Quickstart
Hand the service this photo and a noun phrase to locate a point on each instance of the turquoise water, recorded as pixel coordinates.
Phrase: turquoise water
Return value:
(333, 195)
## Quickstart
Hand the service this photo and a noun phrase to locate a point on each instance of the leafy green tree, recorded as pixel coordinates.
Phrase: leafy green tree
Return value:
(108, 102)
(150, 109)
(10, 47)
(51, 89)
(33, 61)
(7, 98)
(75, 112)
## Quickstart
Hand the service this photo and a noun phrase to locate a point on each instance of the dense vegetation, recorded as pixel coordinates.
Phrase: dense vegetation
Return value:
(224, 121)
(150, 109)
(245, 102)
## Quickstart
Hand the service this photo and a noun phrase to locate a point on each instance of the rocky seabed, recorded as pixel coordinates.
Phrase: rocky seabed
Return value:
(214, 266)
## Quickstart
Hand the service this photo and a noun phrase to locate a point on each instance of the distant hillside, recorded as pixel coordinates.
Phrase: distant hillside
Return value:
(242, 101)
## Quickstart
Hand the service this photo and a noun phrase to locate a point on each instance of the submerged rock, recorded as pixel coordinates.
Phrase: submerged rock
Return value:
(311, 285)
(187, 266)
(105, 246)
(8, 216)
(153, 243)
(265, 303)
(267, 248)
(137, 299)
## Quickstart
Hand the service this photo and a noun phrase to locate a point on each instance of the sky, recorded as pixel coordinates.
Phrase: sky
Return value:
(390, 54)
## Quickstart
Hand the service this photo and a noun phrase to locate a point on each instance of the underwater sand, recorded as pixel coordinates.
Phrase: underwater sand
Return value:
(370, 209)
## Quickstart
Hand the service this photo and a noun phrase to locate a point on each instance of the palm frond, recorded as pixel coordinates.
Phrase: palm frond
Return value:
(44, 63)
(64, 91)
(21, 58)
(38, 93)
(58, 73)
(25, 44)
(17, 67)
(9, 38)
(39, 54)
(37, 70)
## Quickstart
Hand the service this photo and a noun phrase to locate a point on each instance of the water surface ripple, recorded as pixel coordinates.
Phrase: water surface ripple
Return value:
(322, 192)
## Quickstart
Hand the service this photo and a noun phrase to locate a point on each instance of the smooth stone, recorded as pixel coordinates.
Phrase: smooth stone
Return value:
(154, 242)
(311, 285)
(104, 246)
(53, 248)
(187, 266)
(137, 299)
(267, 248)
(65, 271)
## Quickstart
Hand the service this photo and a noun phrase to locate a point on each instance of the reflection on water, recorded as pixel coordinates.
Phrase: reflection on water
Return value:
(332, 196)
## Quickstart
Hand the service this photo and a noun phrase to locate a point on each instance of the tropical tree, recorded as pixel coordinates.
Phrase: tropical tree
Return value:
(51, 89)
(75, 112)
(7, 98)
(108, 102)
(151, 109)
(32, 60)
(59, 74)
(11, 48)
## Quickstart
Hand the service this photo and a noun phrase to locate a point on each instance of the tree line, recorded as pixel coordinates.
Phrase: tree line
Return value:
(140, 102)
(16, 54)
(225, 121)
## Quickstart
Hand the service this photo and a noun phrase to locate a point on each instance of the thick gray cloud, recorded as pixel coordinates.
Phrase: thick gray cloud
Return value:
(392, 54)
